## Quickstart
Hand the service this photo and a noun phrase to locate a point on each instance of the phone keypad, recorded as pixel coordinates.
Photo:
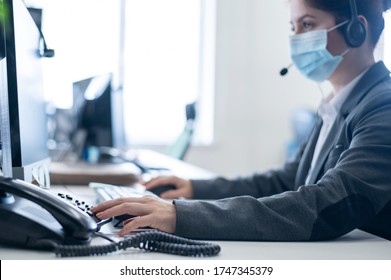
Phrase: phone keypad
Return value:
(83, 206)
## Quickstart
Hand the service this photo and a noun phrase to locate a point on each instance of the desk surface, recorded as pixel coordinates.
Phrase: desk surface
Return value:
(177, 167)
(357, 245)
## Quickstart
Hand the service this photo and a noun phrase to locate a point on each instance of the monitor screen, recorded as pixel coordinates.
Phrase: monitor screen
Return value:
(93, 121)
(24, 123)
(92, 98)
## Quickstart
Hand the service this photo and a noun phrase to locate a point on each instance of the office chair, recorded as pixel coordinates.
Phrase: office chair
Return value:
(181, 145)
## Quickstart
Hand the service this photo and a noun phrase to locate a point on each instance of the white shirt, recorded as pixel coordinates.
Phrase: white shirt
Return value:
(328, 111)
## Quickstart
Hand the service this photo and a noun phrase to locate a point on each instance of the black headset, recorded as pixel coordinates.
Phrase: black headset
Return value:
(355, 32)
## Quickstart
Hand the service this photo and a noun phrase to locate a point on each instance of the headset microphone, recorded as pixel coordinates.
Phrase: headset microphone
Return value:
(285, 70)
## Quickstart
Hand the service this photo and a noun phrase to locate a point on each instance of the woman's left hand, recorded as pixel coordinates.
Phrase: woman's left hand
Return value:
(149, 212)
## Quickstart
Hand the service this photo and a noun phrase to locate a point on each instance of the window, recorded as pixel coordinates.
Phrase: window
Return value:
(162, 51)
(387, 40)
(85, 37)
(168, 62)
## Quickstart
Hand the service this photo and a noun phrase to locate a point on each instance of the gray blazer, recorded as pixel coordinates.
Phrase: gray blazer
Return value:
(350, 186)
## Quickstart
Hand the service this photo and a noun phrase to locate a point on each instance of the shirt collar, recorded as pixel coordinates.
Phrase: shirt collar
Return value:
(332, 104)
(338, 99)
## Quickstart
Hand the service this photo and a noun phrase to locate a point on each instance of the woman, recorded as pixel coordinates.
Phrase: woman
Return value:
(339, 181)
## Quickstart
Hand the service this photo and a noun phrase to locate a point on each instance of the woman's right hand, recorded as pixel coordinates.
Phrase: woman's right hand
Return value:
(183, 187)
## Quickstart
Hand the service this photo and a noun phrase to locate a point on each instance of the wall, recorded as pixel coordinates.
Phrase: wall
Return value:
(253, 102)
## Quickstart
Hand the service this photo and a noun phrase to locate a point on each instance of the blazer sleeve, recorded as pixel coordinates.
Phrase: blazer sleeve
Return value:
(347, 196)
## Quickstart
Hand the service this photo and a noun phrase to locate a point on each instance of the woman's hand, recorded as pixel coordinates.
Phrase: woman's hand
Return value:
(149, 212)
(183, 188)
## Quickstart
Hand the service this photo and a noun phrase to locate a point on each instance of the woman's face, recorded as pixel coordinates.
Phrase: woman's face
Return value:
(305, 18)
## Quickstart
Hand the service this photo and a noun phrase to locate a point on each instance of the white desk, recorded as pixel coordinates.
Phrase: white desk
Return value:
(356, 245)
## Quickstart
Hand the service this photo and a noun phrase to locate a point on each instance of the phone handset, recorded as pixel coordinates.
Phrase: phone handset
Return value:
(77, 225)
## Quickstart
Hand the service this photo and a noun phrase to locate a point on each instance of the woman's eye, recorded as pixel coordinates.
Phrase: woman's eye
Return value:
(307, 25)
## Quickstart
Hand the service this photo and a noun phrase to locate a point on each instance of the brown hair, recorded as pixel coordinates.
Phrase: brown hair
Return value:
(372, 10)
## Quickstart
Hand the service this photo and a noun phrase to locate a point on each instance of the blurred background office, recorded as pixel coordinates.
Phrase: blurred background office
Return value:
(224, 54)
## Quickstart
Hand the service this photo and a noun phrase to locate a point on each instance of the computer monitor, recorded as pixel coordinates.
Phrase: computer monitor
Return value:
(95, 119)
(23, 108)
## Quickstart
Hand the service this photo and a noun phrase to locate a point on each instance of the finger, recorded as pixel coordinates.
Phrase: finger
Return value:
(127, 221)
(154, 182)
(132, 208)
(171, 194)
(135, 223)
(111, 203)
(105, 205)
(163, 180)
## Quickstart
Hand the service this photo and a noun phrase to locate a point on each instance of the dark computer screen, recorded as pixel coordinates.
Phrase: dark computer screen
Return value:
(95, 119)
(24, 124)
(92, 97)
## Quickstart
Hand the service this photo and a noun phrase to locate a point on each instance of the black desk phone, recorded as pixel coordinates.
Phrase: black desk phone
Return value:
(35, 218)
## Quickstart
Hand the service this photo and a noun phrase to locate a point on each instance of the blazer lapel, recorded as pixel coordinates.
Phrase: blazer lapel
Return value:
(327, 147)
(305, 163)
(377, 73)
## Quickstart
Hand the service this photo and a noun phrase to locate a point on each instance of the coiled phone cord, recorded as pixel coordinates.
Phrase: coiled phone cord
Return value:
(154, 241)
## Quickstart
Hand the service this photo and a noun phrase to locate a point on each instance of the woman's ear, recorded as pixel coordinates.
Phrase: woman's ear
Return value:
(367, 29)
(364, 21)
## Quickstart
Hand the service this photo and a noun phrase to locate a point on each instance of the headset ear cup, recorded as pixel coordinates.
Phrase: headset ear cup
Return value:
(355, 33)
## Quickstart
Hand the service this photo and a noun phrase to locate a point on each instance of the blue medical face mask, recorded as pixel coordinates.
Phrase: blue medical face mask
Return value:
(310, 55)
